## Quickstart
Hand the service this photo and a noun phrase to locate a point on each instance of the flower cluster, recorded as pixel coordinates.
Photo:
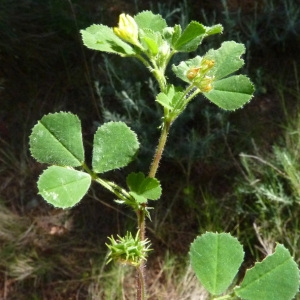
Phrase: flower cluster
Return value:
(199, 77)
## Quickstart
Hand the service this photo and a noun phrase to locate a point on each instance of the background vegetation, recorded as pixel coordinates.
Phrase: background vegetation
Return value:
(236, 172)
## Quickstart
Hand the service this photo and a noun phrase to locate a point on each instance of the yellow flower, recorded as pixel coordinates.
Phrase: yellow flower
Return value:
(127, 30)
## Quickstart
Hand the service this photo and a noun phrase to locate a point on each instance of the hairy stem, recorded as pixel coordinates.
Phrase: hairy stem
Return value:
(159, 150)
(141, 282)
(141, 212)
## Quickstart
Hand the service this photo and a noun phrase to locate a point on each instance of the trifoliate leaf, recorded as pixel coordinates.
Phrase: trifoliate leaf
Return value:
(115, 146)
(57, 139)
(143, 188)
(63, 187)
(102, 38)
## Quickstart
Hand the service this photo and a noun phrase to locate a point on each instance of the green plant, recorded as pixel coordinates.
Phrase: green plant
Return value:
(57, 138)
(276, 277)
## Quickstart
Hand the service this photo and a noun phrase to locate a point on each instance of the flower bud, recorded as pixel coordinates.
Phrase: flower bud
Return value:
(207, 64)
(192, 73)
(127, 29)
(163, 52)
(205, 85)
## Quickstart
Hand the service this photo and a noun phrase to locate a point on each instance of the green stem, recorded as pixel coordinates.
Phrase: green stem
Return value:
(223, 297)
(158, 73)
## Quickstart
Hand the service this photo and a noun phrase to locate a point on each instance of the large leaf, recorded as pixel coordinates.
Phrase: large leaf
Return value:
(276, 277)
(115, 146)
(216, 258)
(231, 93)
(63, 187)
(57, 139)
(148, 20)
(143, 188)
(102, 38)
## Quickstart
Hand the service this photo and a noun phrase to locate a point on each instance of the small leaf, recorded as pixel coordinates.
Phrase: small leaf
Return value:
(164, 100)
(190, 38)
(63, 187)
(176, 34)
(57, 139)
(102, 38)
(115, 146)
(231, 93)
(143, 188)
(172, 34)
(218, 28)
(148, 20)
(171, 98)
(276, 277)
(151, 40)
(216, 258)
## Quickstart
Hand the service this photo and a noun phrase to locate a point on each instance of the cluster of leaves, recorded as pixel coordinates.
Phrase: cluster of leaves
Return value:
(216, 258)
(57, 140)
(148, 38)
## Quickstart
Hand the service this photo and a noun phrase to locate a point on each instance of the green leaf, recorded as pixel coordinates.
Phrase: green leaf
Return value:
(172, 34)
(216, 258)
(190, 38)
(164, 100)
(102, 38)
(57, 139)
(227, 59)
(231, 93)
(151, 40)
(177, 34)
(63, 187)
(115, 146)
(143, 188)
(170, 99)
(276, 277)
(148, 20)
(218, 28)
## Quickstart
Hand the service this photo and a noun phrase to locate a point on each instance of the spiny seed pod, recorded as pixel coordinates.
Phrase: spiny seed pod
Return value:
(128, 250)
(192, 73)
